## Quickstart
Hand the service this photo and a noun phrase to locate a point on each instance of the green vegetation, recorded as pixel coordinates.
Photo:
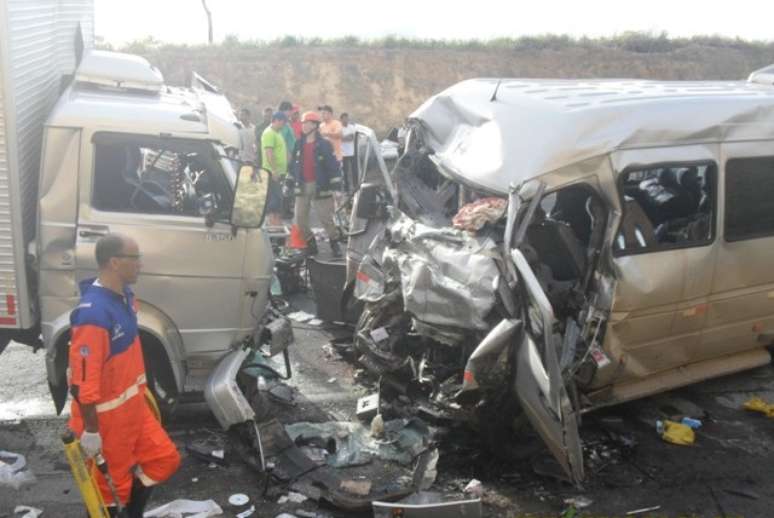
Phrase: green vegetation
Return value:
(639, 42)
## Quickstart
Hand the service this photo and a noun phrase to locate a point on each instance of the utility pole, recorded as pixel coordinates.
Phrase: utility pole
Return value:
(209, 21)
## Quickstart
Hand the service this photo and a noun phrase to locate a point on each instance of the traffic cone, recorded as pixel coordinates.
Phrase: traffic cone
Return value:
(296, 241)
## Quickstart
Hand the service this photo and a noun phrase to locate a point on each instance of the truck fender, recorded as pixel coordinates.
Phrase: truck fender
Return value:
(150, 320)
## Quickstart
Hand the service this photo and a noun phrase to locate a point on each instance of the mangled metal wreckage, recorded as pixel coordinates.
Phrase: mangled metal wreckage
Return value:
(596, 284)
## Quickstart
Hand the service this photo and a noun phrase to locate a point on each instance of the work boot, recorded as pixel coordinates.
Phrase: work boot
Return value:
(138, 499)
(311, 246)
(335, 248)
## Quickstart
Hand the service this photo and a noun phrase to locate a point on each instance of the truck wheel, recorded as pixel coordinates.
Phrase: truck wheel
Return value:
(161, 380)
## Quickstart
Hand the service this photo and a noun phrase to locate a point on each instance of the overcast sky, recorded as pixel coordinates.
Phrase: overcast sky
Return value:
(184, 21)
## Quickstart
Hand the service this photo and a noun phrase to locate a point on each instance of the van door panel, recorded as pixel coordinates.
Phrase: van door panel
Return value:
(661, 298)
(741, 308)
(539, 384)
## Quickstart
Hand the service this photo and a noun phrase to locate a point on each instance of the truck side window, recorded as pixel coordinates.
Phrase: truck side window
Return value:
(667, 207)
(749, 210)
(157, 176)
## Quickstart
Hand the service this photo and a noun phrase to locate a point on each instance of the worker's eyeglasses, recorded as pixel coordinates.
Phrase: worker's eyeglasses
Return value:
(129, 256)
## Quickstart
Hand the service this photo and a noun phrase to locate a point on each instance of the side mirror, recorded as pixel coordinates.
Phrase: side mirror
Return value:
(250, 197)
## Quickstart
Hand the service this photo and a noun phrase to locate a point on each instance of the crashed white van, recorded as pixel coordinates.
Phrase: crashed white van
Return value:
(634, 255)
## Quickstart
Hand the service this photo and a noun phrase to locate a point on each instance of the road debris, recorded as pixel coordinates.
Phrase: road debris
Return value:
(475, 488)
(13, 472)
(757, 404)
(367, 406)
(181, 507)
(355, 446)
(675, 433)
(29, 512)
(695, 424)
(643, 510)
(356, 487)
(238, 499)
(246, 512)
(578, 502)
(292, 497)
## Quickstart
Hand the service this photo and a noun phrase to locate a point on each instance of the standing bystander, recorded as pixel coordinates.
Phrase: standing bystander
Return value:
(317, 174)
(248, 150)
(330, 129)
(274, 158)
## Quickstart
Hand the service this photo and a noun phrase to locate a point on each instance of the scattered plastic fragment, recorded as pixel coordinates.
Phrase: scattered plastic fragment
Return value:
(475, 488)
(757, 404)
(246, 512)
(695, 424)
(189, 508)
(579, 502)
(675, 433)
(12, 470)
(643, 510)
(238, 499)
(300, 316)
(377, 426)
(292, 497)
(355, 487)
(29, 512)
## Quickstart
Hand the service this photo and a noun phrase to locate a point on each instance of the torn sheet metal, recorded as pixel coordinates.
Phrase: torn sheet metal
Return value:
(447, 276)
(481, 359)
(492, 133)
(354, 445)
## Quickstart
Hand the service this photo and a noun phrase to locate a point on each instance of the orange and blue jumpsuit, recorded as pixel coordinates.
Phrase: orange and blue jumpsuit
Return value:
(107, 370)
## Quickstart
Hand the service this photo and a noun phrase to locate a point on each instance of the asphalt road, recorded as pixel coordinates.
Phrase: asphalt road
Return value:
(726, 473)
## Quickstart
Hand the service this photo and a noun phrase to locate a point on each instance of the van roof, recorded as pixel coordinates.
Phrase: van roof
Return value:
(535, 126)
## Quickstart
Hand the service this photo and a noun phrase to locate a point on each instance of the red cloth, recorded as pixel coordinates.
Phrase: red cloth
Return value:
(296, 125)
(307, 159)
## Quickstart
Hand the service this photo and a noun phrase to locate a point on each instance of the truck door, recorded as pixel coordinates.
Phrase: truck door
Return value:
(157, 191)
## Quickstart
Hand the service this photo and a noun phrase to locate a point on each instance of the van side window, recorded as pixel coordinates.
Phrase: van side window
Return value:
(749, 210)
(150, 175)
(667, 207)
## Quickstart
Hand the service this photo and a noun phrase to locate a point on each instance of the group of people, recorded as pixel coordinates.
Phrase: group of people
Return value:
(309, 156)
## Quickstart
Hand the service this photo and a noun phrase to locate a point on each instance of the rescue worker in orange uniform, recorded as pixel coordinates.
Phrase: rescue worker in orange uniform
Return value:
(107, 381)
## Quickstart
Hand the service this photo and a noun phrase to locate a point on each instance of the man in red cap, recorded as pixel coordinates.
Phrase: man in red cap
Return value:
(317, 174)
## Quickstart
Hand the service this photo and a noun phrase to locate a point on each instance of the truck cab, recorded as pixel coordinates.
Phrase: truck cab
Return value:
(122, 152)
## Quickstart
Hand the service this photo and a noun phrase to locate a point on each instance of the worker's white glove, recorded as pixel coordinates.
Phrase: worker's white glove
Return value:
(91, 442)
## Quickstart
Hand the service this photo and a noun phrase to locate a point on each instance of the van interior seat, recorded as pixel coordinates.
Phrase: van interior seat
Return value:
(636, 228)
(559, 248)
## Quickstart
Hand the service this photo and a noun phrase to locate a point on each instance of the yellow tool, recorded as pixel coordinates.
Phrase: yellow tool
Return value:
(92, 498)
(154, 406)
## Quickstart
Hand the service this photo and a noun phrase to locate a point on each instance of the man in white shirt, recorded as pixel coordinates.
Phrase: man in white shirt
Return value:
(248, 149)
(348, 153)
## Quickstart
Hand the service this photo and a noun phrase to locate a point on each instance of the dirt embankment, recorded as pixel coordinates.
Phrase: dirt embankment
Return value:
(381, 86)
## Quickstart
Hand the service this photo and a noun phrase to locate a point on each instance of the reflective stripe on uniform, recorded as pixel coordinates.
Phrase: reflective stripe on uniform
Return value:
(125, 396)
